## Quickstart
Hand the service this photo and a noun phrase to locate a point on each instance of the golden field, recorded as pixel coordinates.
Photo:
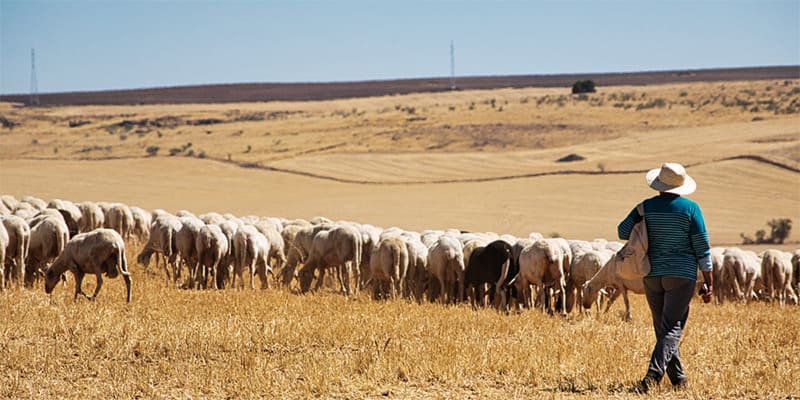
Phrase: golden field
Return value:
(474, 160)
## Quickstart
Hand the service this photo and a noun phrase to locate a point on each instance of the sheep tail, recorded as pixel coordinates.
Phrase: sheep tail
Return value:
(122, 263)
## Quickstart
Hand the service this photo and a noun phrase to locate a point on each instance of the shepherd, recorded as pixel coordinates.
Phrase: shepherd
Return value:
(677, 246)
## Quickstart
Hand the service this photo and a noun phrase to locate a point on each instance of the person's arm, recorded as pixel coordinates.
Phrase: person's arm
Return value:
(626, 226)
(702, 251)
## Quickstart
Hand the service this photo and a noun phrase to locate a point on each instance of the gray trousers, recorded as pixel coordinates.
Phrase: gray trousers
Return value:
(668, 298)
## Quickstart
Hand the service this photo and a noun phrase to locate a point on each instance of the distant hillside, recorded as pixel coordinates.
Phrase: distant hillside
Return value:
(250, 92)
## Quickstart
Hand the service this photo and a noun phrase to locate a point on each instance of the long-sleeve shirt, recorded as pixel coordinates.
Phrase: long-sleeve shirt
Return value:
(676, 234)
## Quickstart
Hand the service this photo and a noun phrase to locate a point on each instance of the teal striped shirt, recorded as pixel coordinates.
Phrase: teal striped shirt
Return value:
(676, 235)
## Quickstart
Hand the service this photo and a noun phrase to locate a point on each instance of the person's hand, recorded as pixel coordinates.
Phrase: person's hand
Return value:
(708, 293)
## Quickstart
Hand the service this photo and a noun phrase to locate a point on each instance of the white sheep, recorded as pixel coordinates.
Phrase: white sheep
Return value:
(92, 216)
(545, 263)
(49, 236)
(185, 244)
(339, 248)
(142, 220)
(251, 251)
(585, 265)
(388, 266)
(446, 266)
(776, 271)
(608, 277)
(99, 252)
(162, 239)
(212, 247)
(19, 238)
(742, 270)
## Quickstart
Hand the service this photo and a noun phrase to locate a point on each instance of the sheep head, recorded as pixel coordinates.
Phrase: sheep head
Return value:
(51, 278)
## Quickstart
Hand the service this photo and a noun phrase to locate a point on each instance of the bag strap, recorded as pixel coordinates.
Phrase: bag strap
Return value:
(640, 209)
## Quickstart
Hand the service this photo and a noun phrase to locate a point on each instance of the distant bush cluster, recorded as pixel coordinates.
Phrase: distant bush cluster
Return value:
(779, 231)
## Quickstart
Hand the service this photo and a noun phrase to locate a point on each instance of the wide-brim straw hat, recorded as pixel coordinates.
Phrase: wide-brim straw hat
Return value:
(671, 178)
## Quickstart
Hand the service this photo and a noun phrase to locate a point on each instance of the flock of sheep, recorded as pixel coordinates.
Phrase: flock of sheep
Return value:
(42, 240)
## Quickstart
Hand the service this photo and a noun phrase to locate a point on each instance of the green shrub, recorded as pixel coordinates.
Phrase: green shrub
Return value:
(585, 86)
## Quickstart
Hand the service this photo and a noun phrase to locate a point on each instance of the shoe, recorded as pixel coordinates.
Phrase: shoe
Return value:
(680, 385)
(645, 385)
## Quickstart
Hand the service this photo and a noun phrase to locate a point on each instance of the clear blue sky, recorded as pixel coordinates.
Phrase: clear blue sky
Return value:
(91, 45)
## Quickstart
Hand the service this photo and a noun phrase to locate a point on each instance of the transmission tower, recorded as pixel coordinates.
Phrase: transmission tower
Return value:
(34, 99)
(452, 66)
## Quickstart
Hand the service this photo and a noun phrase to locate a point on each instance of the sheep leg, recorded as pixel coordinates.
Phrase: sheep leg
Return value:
(320, 278)
(252, 274)
(628, 316)
(612, 299)
(127, 279)
(78, 282)
(344, 278)
(166, 267)
(99, 285)
(215, 277)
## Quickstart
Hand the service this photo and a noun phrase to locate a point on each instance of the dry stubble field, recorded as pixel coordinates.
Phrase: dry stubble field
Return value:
(476, 160)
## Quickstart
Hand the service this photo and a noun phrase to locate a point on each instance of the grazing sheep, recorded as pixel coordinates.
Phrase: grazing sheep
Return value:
(19, 238)
(212, 247)
(140, 230)
(118, 217)
(49, 236)
(99, 252)
(493, 264)
(585, 265)
(722, 288)
(70, 212)
(388, 266)
(251, 250)
(92, 216)
(162, 239)
(776, 270)
(225, 267)
(271, 231)
(608, 277)
(370, 236)
(446, 265)
(339, 248)
(185, 244)
(742, 270)
(299, 239)
(418, 275)
(545, 263)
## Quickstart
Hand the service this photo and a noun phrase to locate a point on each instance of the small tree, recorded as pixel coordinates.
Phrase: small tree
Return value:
(585, 86)
(780, 229)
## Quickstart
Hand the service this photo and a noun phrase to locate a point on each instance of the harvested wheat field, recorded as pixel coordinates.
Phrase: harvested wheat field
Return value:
(472, 160)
